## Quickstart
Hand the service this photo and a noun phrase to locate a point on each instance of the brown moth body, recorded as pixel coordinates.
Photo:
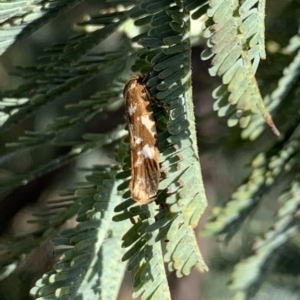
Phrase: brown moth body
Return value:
(145, 169)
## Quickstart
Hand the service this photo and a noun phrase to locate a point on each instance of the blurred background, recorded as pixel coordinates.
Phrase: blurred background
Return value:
(224, 160)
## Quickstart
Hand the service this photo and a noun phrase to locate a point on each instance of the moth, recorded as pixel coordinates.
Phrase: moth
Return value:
(145, 169)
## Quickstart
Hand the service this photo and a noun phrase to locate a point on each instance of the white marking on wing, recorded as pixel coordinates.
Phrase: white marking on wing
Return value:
(132, 86)
(148, 152)
(132, 109)
(148, 123)
(137, 140)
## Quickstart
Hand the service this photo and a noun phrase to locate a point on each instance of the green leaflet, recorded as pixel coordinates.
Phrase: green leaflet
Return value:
(78, 149)
(236, 43)
(181, 195)
(57, 72)
(247, 274)
(150, 281)
(268, 168)
(56, 214)
(182, 252)
(93, 251)
(17, 18)
(287, 86)
(61, 80)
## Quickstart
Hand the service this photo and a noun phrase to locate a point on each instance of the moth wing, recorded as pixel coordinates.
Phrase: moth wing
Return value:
(145, 170)
(145, 180)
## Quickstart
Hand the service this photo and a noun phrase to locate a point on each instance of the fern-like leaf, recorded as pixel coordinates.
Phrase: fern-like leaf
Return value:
(248, 274)
(286, 85)
(82, 270)
(268, 168)
(50, 220)
(20, 18)
(46, 84)
(236, 43)
(170, 84)
(83, 111)
(78, 149)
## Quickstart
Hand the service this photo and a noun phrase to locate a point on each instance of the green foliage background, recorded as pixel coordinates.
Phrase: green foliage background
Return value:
(65, 163)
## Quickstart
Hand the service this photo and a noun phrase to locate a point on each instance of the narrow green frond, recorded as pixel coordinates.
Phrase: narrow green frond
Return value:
(45, 84)
(112, 271)
(82, 111)
(182, 250)
(248, 274)
(268, 168)
(20, 18)
(287, 84)
(94, 30)
(170, 83)
(50, 220)
(150, 280)
(82, 271)
(236, 45)
(79, 148)
(181, 190)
